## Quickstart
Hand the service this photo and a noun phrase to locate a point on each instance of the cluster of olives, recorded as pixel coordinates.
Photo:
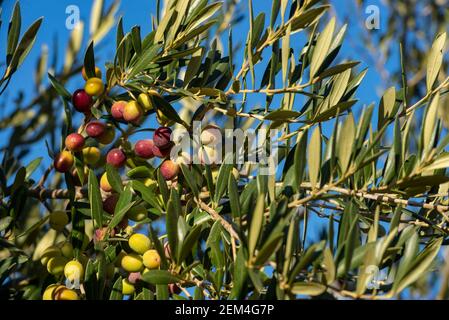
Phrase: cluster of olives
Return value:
(140, 256)
(59, 292)
(59, 262)
(140, 260)
(104, 133)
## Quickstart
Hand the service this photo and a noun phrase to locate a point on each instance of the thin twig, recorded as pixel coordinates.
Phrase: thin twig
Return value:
(444, 84)
(216, 216)
(377, 197)
(45, 176)
(43, 194)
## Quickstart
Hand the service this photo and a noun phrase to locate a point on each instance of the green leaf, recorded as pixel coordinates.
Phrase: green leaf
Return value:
(350, 242)
(13, 32)
(441, 162)
(420, 264)
(34, 227)
(146, 294)
(181, 10)
(256, 224)
(114, 178)
(89, 61)
(292, 239)
(394, 158)
(283, 9)
(177, 55)
(136, 40)
(346, 142)
(144, 61)
(90, 280)
(122, 207)
(6, 221)
(166, 108)
(73, 46)
(308, 288)
(209, 180)
(194, 66)
(95, 15)
(158, 246)
(67, 128)
(257, 278)
(329, 266)
(106, 22)
(300, 158)
(192, 33)
(60, 89)
(432, 180)
(339, 87)
(171, 222)
(234, 196)
(322, 48)
(183, 229)
(19, 181)
(268, 249)
(162, 292)
(430, 122)
(409, 255)
(334, 111)
(119, 46)
(372, 144)
(314, 156)
(364, 125)
(275, 6)
(214, 243)
(435, 60)
(222, 180)
(30, 168)
(280, 115)
(206, 13)
(285, 53)
(368, 267)
(218, 259)
(24, 47)
(147, 194)
(78, 232)
(189, 242)
(406, 235)
(141, 172)
(162, 184)
(160, 277)
(249, 48)
(307, 18)
(239, 275)
(116, 293)
(190, 179)
(162, 27)
(386, 106)
(337, 69)
(354, 84)
(96, 205)
(348, 221)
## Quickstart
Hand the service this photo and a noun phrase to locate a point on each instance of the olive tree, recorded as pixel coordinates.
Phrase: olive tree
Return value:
(111, 217)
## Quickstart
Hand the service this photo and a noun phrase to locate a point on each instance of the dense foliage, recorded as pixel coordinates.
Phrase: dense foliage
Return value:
(112, 217)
